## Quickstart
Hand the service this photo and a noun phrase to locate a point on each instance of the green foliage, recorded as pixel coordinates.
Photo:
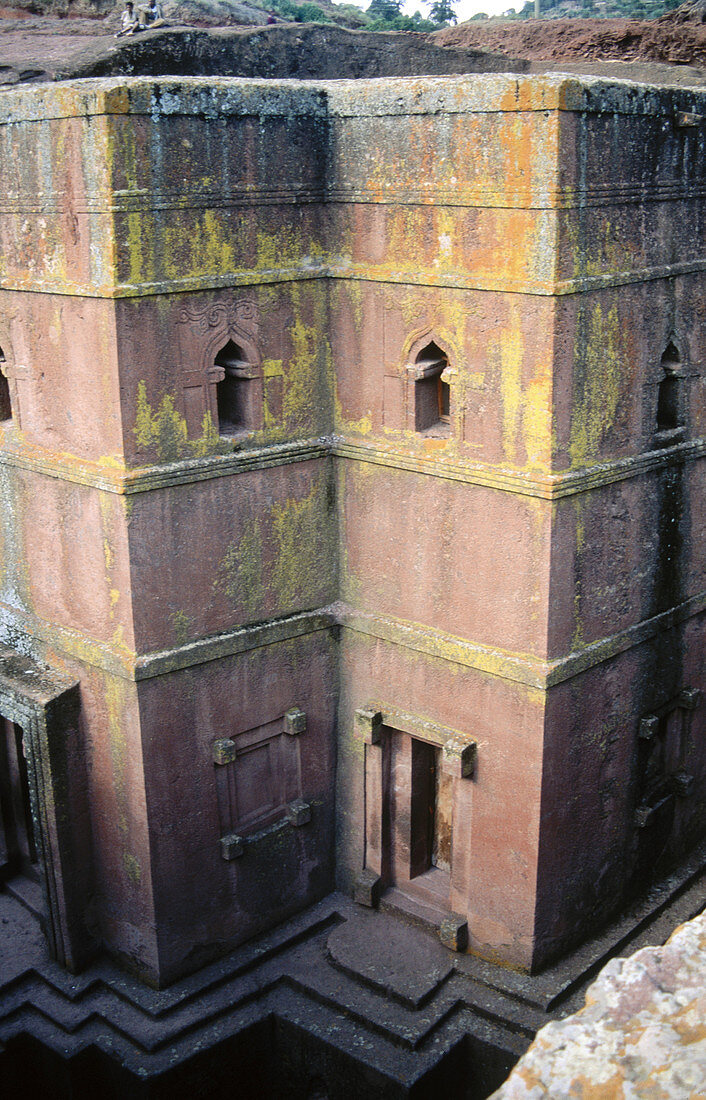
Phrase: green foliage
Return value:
(352, 14)
(626, 9)
(442, 12)
(386, 15)
(300, 13)
(384, 9)
(312, 13)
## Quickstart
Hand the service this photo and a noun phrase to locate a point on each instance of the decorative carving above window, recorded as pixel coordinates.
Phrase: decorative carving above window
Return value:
(221, 365)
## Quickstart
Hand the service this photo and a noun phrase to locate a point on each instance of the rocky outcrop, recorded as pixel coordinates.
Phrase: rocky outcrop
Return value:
(642, 1032)
(304, 51)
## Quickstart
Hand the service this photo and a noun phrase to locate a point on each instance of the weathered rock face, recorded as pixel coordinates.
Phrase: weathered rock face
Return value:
(309, 51)
(642, 1032)
(56, 49)
(330, 413)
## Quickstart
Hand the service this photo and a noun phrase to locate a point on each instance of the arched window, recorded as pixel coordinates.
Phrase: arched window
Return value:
(432, 393)
(5, 405)
(670, 412)
(234, 413)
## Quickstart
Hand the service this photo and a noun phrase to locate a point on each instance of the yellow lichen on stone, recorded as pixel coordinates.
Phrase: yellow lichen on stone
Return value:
(509, 351)
(132, 867)
(240, 571)
(302, 548)
(165, 433)
(597, 383)
(308, 378)
(182, 625)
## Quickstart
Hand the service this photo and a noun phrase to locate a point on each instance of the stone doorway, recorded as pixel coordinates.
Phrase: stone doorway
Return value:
(18, 848)
(417, 811)
(421, 814)
(45, 854)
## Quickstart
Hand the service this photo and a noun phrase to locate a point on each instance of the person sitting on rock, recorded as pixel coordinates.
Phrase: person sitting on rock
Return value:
(151, 15)
(129, 23)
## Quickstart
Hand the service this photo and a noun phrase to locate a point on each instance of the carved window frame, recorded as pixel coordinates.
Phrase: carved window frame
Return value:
(418, 373)
(658, 753)
(214, 325)
(280, 739)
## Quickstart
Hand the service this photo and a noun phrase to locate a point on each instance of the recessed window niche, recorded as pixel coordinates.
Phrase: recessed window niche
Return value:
(670, 394)
(432, 393)
(234, 390)
(5, 404)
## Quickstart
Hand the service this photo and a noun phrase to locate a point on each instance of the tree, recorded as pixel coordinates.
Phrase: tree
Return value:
(442, 11)
(384, 9)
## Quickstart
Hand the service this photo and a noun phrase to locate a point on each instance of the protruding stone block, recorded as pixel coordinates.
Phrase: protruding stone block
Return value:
(232, 846)
(368, 723)
(298, 812)
(453, 933)
(459, 758)
(689, 698)
(223, 751)
(682, 783)
(649, 726)
(685, 119)
(367, 889)
(294, 721)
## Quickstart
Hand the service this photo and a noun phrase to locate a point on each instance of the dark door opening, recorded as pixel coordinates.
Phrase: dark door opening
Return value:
(18, 850)
(431, 819)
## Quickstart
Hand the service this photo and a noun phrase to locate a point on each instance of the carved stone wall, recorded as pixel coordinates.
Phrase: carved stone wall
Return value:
(379, 397)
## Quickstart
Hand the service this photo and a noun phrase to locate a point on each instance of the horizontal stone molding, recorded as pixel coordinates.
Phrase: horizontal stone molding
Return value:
(519, 198)
(521, 668)
(143, 201)
(341, 268)
(124, 481)
(307, 271)
(223, 97)
(545, 487)
(550, 287)
(231, 642)
(550, 487)
(27, 632)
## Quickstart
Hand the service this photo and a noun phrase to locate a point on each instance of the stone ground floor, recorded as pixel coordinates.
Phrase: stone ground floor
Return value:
(341, 1001)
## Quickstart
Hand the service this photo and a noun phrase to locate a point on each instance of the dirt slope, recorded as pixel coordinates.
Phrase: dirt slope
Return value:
(671, 49)
(668, 39)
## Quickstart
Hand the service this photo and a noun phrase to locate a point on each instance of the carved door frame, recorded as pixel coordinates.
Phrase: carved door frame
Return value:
(45, 704)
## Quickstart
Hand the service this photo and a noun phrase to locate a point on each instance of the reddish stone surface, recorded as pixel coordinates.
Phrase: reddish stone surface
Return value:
(315, 642)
